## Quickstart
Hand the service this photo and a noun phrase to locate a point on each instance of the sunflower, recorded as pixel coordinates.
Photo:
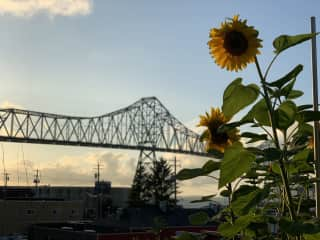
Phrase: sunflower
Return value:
(234, 44)
(217, 140)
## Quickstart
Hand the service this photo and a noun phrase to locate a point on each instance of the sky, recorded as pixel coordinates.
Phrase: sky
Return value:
(90, 57)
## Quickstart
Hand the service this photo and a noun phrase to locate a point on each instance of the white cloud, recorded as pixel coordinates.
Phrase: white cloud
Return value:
(7, 104)
(28, 8)
(79, 170)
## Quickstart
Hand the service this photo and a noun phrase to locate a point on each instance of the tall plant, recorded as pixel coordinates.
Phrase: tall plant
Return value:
(140, 192)
(161, 183)
(270, 184)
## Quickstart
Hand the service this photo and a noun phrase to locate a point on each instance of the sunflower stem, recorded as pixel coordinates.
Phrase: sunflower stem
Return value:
(271, 114)
(269, 67)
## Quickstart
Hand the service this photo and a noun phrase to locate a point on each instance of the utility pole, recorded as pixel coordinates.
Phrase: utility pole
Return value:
(6, 179)
(97, 174)
(315, 108)
(175, 179)
(36, 181)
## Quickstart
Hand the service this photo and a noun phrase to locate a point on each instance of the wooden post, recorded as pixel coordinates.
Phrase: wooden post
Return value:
(315, 108)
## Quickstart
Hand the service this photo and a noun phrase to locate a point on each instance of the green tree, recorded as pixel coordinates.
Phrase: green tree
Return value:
(161, 183)
(139, 194)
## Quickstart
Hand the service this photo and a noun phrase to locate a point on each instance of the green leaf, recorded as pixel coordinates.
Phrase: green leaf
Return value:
(314, 236)
(305, 129)
(228, 230)
(242, 205)
(237, 96)
(237, 160)
(259, 112)
(210, 166)
(199, 218)
(295, 94)
(272, 154)
(287, 78)
(297, 228)
(284, 42)
(243, 190)
(254, 136)
(230, 126)
(204, 199)
(225, 193)
(186, 173)
(304, 107)
(215, 154)
(308, 116)
(287, 89)
(286, 115)
(300, 162)
(207, 168)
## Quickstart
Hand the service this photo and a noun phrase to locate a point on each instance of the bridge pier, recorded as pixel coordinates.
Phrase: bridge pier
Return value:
(146, 157)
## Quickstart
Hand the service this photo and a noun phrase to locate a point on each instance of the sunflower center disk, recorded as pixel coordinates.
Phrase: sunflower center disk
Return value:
(220, 138)
(235, 43)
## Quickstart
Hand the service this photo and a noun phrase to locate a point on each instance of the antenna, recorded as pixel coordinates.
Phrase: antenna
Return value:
(97, 174)
(36, 179)
(18, 172)
(25, 165)
(6, 179)
(3, 164)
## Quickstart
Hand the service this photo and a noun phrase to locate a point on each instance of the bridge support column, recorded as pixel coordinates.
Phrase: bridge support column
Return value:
(146, 157)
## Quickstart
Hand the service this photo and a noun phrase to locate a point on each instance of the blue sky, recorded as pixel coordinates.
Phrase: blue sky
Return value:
(86, 58)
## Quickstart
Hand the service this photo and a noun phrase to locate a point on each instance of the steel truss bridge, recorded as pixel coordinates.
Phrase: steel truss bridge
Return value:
(146, 125)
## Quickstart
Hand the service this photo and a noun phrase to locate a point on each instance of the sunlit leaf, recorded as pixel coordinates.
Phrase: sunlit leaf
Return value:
(295, 94)
(237, 96)
(237, 160)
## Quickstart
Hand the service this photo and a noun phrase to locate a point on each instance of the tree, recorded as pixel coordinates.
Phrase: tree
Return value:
(139, 194)
(161, 183)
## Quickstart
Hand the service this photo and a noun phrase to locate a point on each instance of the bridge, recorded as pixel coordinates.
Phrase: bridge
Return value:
(146, 125)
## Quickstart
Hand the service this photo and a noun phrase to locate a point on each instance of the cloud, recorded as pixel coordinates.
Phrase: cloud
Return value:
(7, 104)
(192, 125)
(79, 170)
(28, 8)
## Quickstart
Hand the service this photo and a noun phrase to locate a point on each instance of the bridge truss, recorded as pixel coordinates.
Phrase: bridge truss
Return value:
(146, 125)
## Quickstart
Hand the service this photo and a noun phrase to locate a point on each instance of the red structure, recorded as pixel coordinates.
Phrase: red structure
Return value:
(165, 234)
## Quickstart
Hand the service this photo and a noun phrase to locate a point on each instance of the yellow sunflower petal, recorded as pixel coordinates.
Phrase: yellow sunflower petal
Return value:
(234, 44)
